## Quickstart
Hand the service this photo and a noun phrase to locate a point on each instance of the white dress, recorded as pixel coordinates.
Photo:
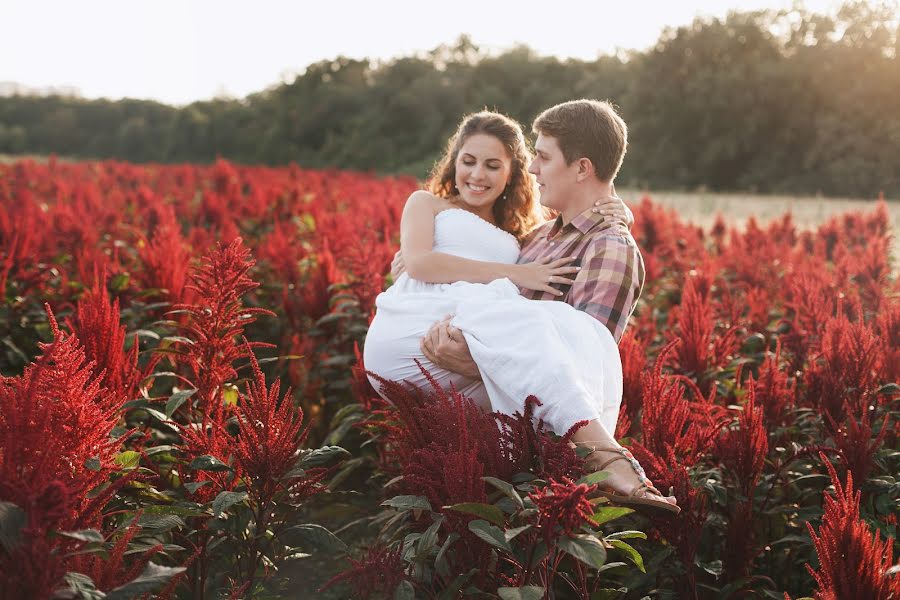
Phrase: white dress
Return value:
(566, 358)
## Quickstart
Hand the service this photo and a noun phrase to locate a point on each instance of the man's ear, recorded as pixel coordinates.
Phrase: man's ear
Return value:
(585, 169)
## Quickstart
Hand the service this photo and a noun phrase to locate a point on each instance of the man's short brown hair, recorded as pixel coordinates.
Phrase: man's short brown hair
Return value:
(587, 129)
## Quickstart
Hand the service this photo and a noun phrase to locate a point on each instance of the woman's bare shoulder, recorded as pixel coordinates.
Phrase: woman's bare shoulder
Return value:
(422, 198)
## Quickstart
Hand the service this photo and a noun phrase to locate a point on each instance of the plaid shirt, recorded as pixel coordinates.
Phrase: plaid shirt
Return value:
(612, 269)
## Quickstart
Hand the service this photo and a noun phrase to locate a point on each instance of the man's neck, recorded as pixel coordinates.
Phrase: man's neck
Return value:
(587, 194)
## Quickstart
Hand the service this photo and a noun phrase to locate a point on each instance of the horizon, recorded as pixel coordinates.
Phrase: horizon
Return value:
(186, 52)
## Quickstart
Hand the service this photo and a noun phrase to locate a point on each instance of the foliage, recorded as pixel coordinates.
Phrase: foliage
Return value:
(145, 448)
(744, 102)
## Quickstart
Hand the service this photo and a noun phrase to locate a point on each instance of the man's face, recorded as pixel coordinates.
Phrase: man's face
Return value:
(555, 179)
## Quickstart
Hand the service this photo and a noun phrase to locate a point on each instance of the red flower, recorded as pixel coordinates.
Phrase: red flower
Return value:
(743, 449)
(853, 561)
(217, 320)
(848, 367)
(55, 447)
(96, 323)
(270, 436)
(563, 507)
(377, 575)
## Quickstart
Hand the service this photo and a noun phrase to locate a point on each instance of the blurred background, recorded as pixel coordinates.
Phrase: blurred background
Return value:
(720, 96)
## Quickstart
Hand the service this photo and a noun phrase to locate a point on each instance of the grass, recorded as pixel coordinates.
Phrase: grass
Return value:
(701, 208)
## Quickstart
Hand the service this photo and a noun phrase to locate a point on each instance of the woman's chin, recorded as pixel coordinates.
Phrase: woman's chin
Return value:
(477, 202)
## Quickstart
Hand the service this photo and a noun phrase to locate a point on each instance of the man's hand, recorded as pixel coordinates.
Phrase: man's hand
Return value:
(398, 267)
(445, 346)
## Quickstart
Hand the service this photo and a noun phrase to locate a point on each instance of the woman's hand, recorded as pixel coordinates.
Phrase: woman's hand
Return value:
(613, 207)
(398, 267)
(542, 273)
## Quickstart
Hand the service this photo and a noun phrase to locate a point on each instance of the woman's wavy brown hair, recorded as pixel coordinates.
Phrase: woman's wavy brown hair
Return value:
(517, 210)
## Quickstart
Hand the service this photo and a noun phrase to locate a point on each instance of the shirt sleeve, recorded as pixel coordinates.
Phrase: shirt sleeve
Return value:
(610, 281)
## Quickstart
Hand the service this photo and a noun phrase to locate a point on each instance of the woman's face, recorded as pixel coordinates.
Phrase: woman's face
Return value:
(483, 169)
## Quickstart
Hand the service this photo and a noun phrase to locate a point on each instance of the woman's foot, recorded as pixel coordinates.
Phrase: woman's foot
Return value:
(627, 483)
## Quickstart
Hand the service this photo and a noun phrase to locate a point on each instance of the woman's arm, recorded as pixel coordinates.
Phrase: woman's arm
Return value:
(424, 264)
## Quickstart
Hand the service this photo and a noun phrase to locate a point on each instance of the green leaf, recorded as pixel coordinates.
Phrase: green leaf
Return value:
(485, 511)
(428, 539)
(507, 488)
(610, 513)
(119, 282)
(152, 579)
(405, 591)
(510, 534)
(230, 395)
(92, 464)
(128, 459)
(158, 449)
(193, 486)
(160, 522)
(321, 456)
(440, 564)
(176, 400)
(83, 535)
(226, 500)
(490, 534)
(82, 586)
(312, 535)
(586, 548)
(629, 552)
(178, 339)
(714, 568)
(609, 593)
(208, 463)
(12, 520)
(531, 592)
(626, 535)
(408, 503)
(888, 389)
(592, 478)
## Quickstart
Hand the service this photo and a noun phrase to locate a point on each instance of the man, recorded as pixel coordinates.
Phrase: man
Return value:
(579, 150)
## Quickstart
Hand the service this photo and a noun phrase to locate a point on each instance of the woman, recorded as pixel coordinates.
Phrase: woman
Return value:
(460, 242)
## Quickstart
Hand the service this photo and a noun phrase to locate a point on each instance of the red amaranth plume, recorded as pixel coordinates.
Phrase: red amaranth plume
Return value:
(55, 447)
(774, 390)
(855, 439)
(742, 450)
(853, 562)
(378, 574)
(563, 507)
(669, 420)
(166, 258)
(634, 363)
(96, 323)
(847, 367)
(217, 319)
(685, 532)
(269, 438)
(700, 349)
(118, 566)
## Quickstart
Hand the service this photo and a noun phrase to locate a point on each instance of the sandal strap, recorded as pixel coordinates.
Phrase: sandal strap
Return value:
(624, 453)
(642, 486)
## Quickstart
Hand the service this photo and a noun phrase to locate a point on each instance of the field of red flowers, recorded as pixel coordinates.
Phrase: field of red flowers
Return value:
(183, 413)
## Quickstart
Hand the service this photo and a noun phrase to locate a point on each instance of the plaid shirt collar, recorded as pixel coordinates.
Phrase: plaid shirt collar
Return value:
(583, 222)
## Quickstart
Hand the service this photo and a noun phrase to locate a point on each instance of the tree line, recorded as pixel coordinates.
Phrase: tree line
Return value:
(766, 101)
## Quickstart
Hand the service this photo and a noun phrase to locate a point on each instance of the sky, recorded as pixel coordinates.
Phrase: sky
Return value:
(178, 51)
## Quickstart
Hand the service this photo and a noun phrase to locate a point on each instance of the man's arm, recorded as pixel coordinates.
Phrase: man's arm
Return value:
(445, 346)
(610, 281)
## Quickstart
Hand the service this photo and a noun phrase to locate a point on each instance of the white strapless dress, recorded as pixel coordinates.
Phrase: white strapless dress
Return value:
(566, 358)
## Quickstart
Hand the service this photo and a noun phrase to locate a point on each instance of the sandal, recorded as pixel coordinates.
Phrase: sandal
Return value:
(633, 498)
